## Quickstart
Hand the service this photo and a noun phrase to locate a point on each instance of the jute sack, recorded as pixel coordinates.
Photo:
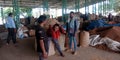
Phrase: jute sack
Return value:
(84, 39)
(51, 49)
(32, 33)
(50, 22)
(62, 41)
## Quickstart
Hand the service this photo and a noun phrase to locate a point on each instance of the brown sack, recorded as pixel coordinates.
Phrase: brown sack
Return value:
(84, 39)
(32, 32)
(50, 22)
(61, 41)
(51, 49)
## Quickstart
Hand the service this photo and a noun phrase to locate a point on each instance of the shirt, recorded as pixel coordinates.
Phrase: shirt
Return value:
(56, 34)
(10, 23)
(41, 35)
(71, 25)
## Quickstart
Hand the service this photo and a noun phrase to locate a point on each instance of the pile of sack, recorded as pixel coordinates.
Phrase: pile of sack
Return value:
(51, 22)
(107, 42)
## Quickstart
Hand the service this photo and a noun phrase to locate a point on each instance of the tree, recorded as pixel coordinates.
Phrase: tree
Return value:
(22, 11)
(7, 10)
(27, 10)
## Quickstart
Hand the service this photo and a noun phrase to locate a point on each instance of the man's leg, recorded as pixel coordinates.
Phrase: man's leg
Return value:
(49, 39)
(70, 41)
(75, 44)
(57, 46)
(9, 36)
(41, 56)
(13, 36)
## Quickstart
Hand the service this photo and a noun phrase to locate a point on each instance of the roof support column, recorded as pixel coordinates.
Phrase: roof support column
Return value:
(105, 7)
(111, 2)
(85, 4)
(95, 8)
(64, 10)
(45, 7)
(101, 8)
(88, 9)
(98, 8)
(16, 12)
(29, 12)
(2, 15)
(77, 5)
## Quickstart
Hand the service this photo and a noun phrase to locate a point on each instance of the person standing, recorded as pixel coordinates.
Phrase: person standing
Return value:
(41, 38)
(72, 27)
(11, 27)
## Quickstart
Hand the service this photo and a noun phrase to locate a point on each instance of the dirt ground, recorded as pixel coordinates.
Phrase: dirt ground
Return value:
(25, 51)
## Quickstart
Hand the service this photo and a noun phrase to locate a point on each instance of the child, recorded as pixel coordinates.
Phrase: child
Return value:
(55, 32)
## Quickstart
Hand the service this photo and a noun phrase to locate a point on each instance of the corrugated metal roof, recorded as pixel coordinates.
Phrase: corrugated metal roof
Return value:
(51, 3)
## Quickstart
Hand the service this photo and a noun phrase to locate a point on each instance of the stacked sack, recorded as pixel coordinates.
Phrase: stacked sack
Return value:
(51, 22)
(84, 39)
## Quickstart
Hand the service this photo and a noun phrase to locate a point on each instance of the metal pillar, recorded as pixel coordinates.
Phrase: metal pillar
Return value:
(101, 10)
(88, 9)
(95, 9)
(98, 8)
(85, 4)
(2, 15)
(111, 5)
(16, 12)
(45, 6)
(108, 5)
(77, 5)
(64, 10)
(105, 7)
(29, 12)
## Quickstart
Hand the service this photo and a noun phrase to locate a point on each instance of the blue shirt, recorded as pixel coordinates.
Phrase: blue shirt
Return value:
(10, 23)
(72, 24)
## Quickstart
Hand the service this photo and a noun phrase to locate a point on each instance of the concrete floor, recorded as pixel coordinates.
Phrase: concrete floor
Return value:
(25, 51)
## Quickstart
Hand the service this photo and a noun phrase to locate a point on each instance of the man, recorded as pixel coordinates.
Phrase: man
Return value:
(10, 25)
(72, 27)
(42, 42)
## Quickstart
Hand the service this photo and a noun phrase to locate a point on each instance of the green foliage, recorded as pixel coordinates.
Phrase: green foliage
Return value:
(22, 10)
(7, 10)
(26, 10)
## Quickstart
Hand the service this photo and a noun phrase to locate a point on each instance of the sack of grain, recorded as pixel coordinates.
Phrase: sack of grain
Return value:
(51, 49)
(84, 39)
(62, 41)
(32, 32)
(50, 22)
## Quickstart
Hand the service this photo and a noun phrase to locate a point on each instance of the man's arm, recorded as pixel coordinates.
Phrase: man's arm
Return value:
(43, 48)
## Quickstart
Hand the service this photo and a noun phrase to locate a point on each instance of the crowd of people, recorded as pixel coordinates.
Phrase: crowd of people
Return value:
(72, 26)
(53, 33)
(43, 36)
